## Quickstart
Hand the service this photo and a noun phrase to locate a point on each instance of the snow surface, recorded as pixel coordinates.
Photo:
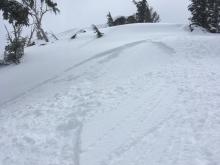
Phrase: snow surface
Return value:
(142, 94)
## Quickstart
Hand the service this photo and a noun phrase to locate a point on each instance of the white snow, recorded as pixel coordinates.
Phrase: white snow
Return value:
(142, 94)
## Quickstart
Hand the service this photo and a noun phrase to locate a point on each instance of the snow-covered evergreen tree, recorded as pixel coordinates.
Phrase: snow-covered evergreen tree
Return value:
(15, 48)
(206, 13)
(120, 20)
(145, 13)
(211, 16)
(218, 15)
(198, 8)
(131, 19)
(214, 15)
(110, 21)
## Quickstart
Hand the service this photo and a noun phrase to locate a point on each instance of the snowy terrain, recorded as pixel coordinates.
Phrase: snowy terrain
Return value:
(143, 94)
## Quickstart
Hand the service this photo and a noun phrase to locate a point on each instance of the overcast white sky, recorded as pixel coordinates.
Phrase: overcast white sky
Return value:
(80, 13)
(76, 13)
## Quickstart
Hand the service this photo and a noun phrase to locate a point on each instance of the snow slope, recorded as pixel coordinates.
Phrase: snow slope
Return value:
(142, 94)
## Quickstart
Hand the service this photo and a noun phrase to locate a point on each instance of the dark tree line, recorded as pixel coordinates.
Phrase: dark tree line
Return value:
(206, 14)
(144, 14)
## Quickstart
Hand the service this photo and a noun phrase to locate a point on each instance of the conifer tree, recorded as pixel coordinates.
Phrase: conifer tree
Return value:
(206, 13)
(218, 15)
(213, 15)
(131, 19)
(198, 9)
(120, 21)
(145, 13)
(110, 20)
(154, 15)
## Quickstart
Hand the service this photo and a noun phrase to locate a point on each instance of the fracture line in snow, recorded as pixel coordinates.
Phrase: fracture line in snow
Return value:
(117, 49)
(114, 50)
(164, 47)
(29, 90)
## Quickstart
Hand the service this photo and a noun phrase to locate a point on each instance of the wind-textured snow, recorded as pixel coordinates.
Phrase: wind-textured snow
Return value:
(142, 94)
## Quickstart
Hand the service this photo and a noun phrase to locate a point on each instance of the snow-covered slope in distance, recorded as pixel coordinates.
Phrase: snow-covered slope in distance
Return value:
(142, 94)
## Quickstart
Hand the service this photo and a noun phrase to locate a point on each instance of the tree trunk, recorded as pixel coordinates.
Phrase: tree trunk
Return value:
(31, 36)
(44, 34)
(40, 29)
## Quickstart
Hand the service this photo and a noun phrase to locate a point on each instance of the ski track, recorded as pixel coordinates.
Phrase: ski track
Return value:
(150, 131)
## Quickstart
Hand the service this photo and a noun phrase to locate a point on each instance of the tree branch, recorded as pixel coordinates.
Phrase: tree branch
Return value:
(8, 34)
